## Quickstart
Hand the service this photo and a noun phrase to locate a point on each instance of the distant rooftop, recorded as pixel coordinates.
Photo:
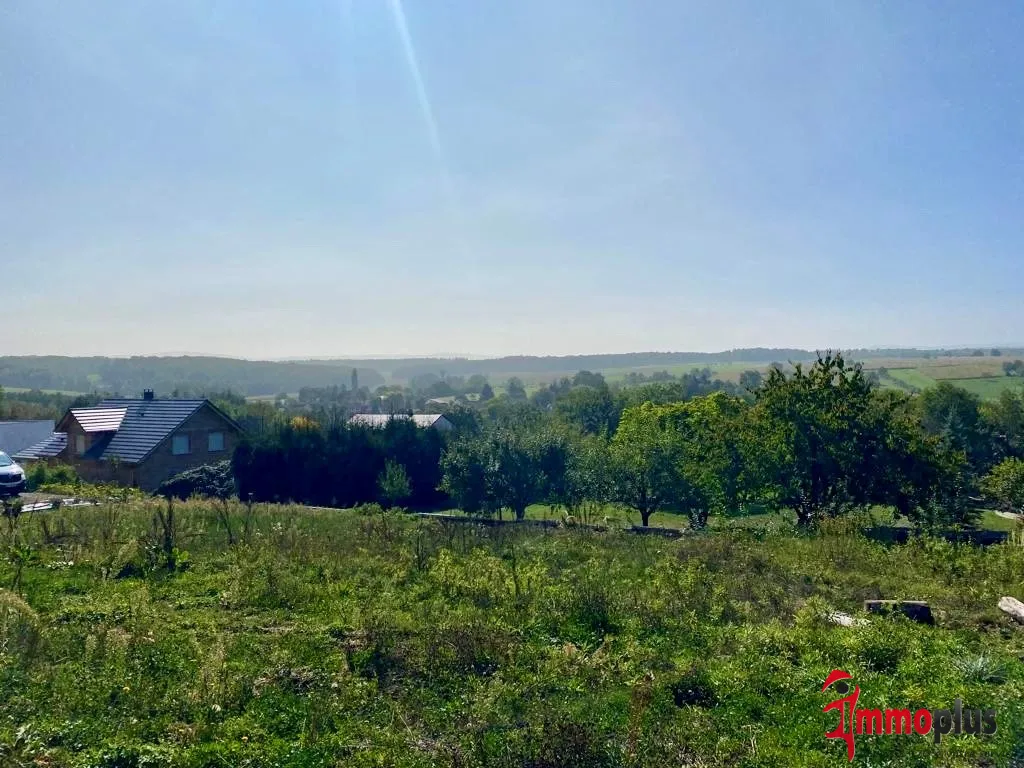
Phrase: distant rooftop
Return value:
(382, 419)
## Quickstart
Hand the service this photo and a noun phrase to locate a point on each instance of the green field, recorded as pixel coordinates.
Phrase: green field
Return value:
(362, 638)
(990, 388)
(912, 377)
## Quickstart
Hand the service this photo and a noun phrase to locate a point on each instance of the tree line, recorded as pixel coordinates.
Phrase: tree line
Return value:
(129, 376)
(821, 440)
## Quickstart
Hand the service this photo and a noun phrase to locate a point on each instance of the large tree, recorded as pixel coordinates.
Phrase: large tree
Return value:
(509, 466)
(954, 415)
(1005, 484)
(818, 438)
(646, 461)
(516, 389)
(1004, 419)
(591, 409)
(710, 430)
(464, 473)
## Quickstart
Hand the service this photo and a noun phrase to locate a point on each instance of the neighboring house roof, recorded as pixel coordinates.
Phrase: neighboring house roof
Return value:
(133, 427)
(146, 424)
(381, 419)
(52, 446)
(18, 435)
(99, 419)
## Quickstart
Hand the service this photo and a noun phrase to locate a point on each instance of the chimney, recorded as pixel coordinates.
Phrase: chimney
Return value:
(147, 394)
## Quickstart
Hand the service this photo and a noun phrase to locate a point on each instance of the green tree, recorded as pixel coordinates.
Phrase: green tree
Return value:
(954, 415)
(476, 383)
(464, 467)
(751, 380)
(645, 462)
(514, 471)
(486, 392)
(507, 467)
(589, 379)
(1004, 418)
(587, 483)
(393, 484)
(711, 430)
(816, 437)
(592, 410)
(1005, 484)
(516, 390)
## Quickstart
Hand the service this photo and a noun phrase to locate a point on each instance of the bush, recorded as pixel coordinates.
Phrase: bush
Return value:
(210, 480)
(40, 474)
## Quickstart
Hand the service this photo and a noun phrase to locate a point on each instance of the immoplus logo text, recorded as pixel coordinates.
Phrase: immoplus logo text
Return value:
(855, 722)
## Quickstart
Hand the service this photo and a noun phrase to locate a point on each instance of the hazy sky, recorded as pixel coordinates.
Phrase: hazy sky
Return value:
(269, 179)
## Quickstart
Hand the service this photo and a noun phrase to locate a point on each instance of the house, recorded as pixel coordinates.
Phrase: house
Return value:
(424, 420)
(138, 442)
(18, 435)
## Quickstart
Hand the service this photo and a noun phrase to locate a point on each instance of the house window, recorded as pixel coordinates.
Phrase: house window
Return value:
(79, 444)
(180, 445)
(215, 442)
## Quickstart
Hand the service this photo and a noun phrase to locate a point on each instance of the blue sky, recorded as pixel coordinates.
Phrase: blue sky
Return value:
(268, 179)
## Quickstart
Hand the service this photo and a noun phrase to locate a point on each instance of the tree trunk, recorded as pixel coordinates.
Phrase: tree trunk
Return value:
(804, 514)
(645, 517)
(520, 513)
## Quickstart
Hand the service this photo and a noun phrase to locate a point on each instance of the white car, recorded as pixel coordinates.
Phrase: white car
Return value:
(12, 476)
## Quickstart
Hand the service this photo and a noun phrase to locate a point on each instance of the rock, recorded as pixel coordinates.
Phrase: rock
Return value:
(845, 619)
(1012, 607)
(915, 610)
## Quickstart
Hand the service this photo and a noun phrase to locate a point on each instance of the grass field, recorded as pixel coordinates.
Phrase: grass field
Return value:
(44, 391)
(912, 377)
(990, 388)
(362, 638)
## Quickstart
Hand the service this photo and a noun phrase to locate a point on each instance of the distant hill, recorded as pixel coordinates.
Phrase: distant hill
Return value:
(129, 376)
(406, 369)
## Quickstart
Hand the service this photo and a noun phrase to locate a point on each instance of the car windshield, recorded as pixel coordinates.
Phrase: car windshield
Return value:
(5, 460)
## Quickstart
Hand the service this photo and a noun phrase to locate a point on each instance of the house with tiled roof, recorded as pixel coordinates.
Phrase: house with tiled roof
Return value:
(139, 442)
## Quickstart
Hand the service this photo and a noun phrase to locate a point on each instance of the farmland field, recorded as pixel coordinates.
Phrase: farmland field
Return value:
(363, 638)
(913, 377)
(990, 388)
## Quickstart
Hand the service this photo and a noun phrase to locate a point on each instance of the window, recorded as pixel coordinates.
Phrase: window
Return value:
(215, 442)
(79, 444)
(180, 445)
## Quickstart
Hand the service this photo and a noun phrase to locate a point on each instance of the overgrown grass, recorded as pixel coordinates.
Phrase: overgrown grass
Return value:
(363, 638)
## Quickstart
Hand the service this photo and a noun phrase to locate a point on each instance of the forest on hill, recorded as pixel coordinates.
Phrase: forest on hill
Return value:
(204, 374)
(130, 375)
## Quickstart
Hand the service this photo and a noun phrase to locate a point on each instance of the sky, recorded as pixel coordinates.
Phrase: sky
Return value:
(350, 178)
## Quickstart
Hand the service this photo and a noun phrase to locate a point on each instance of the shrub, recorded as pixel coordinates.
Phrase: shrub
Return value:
(41, 474)
(210, 480)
